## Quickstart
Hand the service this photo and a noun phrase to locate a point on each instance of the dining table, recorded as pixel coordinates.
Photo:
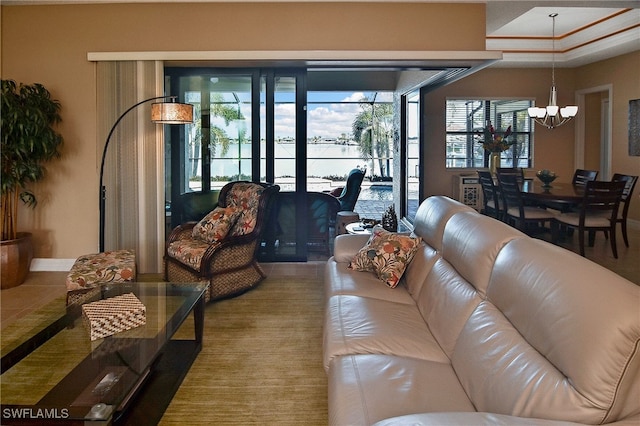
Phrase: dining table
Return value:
(556, 195)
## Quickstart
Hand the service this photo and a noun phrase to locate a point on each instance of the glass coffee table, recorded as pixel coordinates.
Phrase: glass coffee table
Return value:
(53, 373)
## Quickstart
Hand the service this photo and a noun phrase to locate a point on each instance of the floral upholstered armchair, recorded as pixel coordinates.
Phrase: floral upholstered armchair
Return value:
(221, 248)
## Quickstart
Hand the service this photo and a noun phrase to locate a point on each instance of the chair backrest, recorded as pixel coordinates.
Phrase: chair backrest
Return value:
(601, 196)
(510, 191)
(580, 176)
(518, 172)
(254, 201)
(193, 206)
(629, 184)
(489, 190)
(351, 190)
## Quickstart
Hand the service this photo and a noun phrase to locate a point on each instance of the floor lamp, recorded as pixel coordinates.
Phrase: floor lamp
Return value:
(161, 113)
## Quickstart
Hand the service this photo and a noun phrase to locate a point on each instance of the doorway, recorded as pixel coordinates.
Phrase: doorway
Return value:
(238, 118)
(593, 130)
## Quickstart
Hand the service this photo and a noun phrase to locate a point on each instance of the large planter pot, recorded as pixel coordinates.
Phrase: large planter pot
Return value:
(16, 258)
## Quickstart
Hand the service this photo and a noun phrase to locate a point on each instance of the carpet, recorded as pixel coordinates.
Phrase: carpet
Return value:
(261, 361)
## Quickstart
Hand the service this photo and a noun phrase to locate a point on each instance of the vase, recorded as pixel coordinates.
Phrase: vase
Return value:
(16, 259)
(494, 163)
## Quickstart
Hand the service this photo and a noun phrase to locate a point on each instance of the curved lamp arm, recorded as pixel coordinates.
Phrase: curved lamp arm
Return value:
(102, 190)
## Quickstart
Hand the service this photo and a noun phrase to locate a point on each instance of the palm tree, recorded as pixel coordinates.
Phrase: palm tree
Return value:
(217, 135)
(372, 130)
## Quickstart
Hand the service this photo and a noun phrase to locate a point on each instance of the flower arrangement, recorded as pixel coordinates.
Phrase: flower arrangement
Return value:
(495, 141)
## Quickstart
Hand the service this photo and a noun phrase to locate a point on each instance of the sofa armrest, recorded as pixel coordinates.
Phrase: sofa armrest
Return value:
(347, 245)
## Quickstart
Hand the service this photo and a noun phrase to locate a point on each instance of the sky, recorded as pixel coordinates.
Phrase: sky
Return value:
(329, 114)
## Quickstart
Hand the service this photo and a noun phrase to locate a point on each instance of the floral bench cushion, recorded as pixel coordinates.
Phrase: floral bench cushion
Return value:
(90, 270)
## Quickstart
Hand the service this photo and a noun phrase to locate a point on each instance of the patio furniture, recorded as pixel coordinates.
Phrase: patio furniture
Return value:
(221, 248)
(351, 190)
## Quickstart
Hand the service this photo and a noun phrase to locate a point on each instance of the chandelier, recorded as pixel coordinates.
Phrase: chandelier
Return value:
(552, 115)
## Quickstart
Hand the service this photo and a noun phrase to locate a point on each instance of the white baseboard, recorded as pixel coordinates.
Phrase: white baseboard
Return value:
(41, 264)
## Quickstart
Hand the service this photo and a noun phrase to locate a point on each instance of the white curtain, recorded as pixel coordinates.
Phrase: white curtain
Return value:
(134, 172)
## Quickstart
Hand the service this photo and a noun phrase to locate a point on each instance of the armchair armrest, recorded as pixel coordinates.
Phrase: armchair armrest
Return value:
(181, 232)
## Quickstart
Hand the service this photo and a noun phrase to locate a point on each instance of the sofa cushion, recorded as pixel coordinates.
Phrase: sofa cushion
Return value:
(387, 254)
(420, 266)
(446, 301)
(558, 337)
(466, 419)
(471, 243)
(361, 325)
(432, 216)
(364, 389)
(339, 279)
(215, 225)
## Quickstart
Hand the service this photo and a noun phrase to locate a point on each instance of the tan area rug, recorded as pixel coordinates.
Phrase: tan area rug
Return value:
(261, 362)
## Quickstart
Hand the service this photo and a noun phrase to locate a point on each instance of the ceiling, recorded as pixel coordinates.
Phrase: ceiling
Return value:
(585, 31)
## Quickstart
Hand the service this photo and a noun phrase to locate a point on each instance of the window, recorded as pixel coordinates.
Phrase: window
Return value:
(466, 120)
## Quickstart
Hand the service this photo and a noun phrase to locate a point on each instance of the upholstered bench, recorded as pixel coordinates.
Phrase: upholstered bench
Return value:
(91, 270)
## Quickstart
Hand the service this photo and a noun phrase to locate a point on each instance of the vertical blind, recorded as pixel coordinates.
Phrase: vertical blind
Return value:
(133, 174)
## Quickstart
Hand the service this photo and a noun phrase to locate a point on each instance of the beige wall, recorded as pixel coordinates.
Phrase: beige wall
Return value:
(622, 73)
(49, 45)
(554, 149)
(592, 130)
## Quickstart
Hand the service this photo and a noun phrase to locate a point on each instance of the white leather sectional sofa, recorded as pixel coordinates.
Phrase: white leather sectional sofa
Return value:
(488, 326)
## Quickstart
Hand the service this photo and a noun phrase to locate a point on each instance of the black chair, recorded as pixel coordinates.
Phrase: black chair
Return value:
(351, 190)
(625, 200)
(598, 212)
(320, 214)
(515, 209)
(518, 172)
(581, 177)
(492, 204)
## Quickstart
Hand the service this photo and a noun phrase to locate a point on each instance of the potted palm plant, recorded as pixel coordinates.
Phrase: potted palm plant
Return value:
(28, 141)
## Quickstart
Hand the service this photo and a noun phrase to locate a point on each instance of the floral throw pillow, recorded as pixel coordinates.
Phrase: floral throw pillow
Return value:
(387, 254)
(215, 225)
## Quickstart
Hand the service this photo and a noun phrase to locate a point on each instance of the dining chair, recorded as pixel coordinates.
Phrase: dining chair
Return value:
(625, 200)
(515, 209)
(598, 212)
(518, 172)
(581, 176)
(492, 204)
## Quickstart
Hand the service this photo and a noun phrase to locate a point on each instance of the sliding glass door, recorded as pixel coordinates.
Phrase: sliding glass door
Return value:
(410, 152)
(248, 125)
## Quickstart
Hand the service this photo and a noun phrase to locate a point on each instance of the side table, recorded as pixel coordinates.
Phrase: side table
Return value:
(358, 228)
(343, 219)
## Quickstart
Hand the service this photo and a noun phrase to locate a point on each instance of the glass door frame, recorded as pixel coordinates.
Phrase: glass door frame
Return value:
(404, 151)
(300, 191)
(258, 76)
